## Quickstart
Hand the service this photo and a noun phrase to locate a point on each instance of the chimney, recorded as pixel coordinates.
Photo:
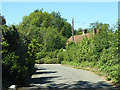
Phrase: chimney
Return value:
(84, 31)
(94, 31)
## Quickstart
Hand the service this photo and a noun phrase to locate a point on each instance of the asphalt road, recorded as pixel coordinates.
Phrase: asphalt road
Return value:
(58, 76)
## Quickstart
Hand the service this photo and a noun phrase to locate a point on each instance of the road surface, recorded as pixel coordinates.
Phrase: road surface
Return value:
(58, 76)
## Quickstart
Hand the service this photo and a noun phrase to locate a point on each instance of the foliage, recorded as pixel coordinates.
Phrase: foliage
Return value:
(69, 44)
(99, 51)
(47, 60)
(2, 20)
(52, 39)
(31, 24)
(78, 32)
(15, 57)
(49, 29)
(60, 57)
(40, 38)
(48, 57)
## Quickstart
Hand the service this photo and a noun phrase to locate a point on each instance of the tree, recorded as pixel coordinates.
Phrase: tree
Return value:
(79, 31)
(2, 20)
(52, 39)
(30, 26)
(17, 63)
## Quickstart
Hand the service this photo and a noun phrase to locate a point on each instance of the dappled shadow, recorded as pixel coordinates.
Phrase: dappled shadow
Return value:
(81, 84)
(77, 85)
(45, 72)
(86, 84)
(42, 80)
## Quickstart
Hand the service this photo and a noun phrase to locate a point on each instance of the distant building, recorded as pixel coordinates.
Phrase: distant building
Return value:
(78, 38)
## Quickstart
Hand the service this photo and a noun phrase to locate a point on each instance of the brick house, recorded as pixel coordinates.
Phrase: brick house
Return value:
(78, 38)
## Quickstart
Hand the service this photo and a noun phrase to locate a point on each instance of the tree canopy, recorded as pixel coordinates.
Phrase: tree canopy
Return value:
(31, 24)
(41, 37)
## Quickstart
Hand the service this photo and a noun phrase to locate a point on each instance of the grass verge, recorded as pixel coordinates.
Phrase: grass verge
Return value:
(92, 69)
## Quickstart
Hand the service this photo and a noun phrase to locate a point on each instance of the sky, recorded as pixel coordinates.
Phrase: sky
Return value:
(83, 13)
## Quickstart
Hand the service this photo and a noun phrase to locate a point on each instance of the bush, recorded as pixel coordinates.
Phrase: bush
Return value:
(69, 44)
(40, 55)
(47, 61)
(60, 57)
(18, 57)
(100, 51)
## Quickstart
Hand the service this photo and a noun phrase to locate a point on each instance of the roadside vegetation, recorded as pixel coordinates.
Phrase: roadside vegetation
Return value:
(41, 38)
(100, 52)
(38, 37)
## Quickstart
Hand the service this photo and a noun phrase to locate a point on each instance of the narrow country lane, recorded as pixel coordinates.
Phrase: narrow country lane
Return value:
(58, 76)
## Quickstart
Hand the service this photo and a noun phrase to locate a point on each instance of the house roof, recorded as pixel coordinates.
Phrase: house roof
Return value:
(78, 38)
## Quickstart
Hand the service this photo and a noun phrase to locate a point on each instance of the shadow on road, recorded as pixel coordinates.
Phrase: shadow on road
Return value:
(45, 72)
(77, 85)
(42, 80)
(37, 82)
